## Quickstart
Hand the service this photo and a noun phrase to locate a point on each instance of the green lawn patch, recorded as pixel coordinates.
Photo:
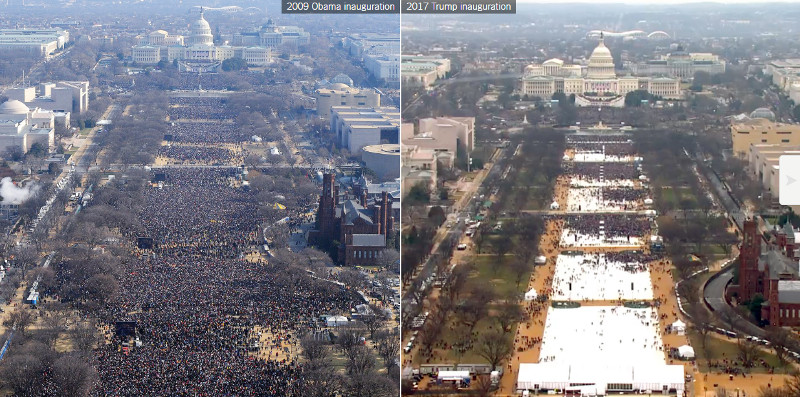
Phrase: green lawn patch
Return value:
(490, 271)
(718, 350)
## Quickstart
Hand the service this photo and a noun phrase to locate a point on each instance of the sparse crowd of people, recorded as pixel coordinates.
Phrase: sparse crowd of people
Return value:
(606, 170)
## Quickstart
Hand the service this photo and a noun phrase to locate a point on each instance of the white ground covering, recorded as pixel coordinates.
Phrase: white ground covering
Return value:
(600, 157)
(593, 278)
(591, 200)
(571, 238)
(590, 182)
(605, 335)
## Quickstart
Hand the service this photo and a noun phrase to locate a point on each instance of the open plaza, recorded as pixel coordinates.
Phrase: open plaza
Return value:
(601, 330)
(595, 277)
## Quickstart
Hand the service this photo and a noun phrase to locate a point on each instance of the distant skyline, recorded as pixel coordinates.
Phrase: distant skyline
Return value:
(656, 2)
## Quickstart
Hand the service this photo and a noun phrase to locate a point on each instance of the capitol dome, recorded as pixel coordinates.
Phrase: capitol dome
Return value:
(201, 31)
(601, 52)
(601, 63)
(13, 107)
(763, 113)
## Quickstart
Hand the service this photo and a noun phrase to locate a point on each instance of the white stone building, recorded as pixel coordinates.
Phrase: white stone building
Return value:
(271, 35)
(596, 84)
(442, 134)
(356, 127)
(680, 64)
(423, 70)
(23, 127)
(197, 49)
(63, 96)
(339, 94)
(40, 42)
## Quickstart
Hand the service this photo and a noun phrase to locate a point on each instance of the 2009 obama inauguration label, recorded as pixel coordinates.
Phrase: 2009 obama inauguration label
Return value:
(340, 6)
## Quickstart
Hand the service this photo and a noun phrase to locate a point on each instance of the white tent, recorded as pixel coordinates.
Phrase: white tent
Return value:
(540, 260)
(642, 178)
(648, 201)
(336, 321)
(686, 351)
(679, 327)
(453, 375)
(531, 295)
(554, 206)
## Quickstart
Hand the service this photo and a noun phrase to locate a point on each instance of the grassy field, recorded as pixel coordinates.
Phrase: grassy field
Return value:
(489, 271)
(450, 334)
(674, 195)
(719, 349)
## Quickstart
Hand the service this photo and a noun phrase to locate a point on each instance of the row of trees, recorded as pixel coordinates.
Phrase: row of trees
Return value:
(362, 374)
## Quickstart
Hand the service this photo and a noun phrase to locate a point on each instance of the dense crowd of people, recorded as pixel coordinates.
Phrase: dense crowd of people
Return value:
(206, 81)
(197, 299)
(198, 154)
(623, 194)
(612, 225)
(211, 132)
(202, 108)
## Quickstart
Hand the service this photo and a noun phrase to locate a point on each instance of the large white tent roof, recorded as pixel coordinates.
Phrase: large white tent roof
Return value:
(597, 377)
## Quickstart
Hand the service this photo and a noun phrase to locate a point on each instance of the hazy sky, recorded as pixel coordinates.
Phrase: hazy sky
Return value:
(656, 2)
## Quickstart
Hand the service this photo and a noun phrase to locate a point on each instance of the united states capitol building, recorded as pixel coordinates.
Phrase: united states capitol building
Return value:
(196, 52)
(595, 84)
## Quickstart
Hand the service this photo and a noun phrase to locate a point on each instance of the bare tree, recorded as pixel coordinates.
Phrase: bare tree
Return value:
(494, 347)
(372, 385)
(349, 337)
(484, 385)
(793, 385)
(84, 336)
(781, 341)
(22, 318)
(54, 323)
(73, 375)
(475, 307)
(321, 382)
(316, 352)
(26, 257)
(520, 267)
(748, 352)
(374, 320)
(387, 343)
(729, 318)
(361, 361)
(388, 259)
(775, 392)
(508, 314)
(701, 321)
(502, 246)
(458, 279)
(23, 373)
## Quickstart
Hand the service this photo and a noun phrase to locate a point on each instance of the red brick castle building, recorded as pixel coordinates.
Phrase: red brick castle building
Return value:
(358, 227)
(770, 269)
